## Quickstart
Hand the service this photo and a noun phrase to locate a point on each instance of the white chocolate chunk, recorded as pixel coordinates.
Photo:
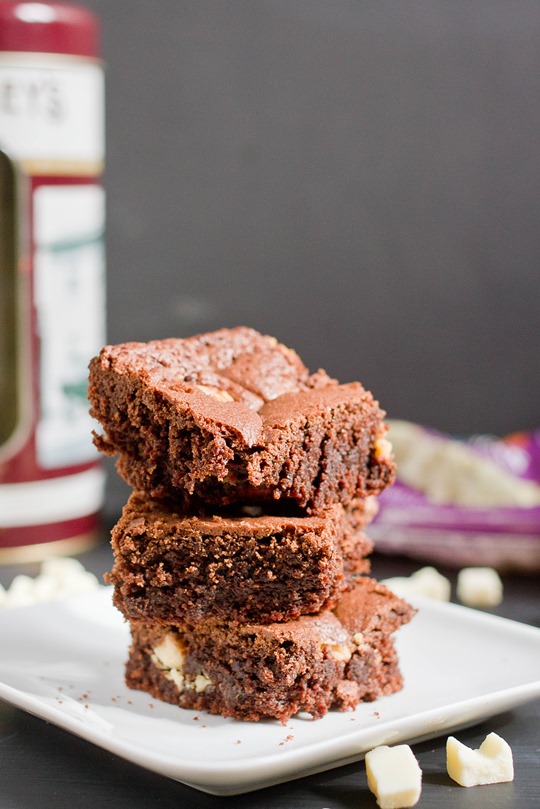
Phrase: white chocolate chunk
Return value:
(401, 586)
(20, 592)
(201, 682)
(59, 577)
(176, 677)
(46, 588)
(383, 449)
(479, 587)
(68, 576)
(492, 763)
(451, 471)
(394, 776)
(432, 583)
(60, 567)
(339, 651)
(216, 393)
(427, 582)
(169, 653)
(169, 656)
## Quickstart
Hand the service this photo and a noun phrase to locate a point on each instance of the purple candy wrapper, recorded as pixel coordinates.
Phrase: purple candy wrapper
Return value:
(458, 503)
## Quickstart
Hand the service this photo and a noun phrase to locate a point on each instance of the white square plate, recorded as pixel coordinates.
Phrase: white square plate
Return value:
(64, 662)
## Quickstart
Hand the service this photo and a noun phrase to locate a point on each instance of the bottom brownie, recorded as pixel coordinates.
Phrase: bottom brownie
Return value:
(335, 659)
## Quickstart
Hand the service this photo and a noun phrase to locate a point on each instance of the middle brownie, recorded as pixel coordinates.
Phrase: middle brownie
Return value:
(170, 568)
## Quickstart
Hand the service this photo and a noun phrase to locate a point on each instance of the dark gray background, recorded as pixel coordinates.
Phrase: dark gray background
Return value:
(360, 179)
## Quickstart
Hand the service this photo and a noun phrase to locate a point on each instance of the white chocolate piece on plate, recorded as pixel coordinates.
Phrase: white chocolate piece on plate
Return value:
(492, 763)
(427, 582)
(20, 592)
(58, 578)
(394, 776)
(479, 587)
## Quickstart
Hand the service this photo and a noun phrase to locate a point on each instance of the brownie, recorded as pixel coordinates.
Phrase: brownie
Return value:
(234, 416)
(171, 568)
(255, 671)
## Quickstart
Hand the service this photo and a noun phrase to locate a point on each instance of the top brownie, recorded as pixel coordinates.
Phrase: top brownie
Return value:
(233, 416)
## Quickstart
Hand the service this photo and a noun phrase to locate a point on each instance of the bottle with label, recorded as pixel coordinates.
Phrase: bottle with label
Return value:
(52, 276)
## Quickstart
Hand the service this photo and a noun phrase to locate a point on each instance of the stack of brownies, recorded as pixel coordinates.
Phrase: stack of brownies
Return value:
(240, 560)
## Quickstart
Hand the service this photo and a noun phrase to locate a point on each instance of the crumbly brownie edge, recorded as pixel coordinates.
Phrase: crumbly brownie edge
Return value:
(165, 444)
(323, 446)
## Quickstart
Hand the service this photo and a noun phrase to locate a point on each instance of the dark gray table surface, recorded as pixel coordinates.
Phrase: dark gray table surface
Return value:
(42, 766)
